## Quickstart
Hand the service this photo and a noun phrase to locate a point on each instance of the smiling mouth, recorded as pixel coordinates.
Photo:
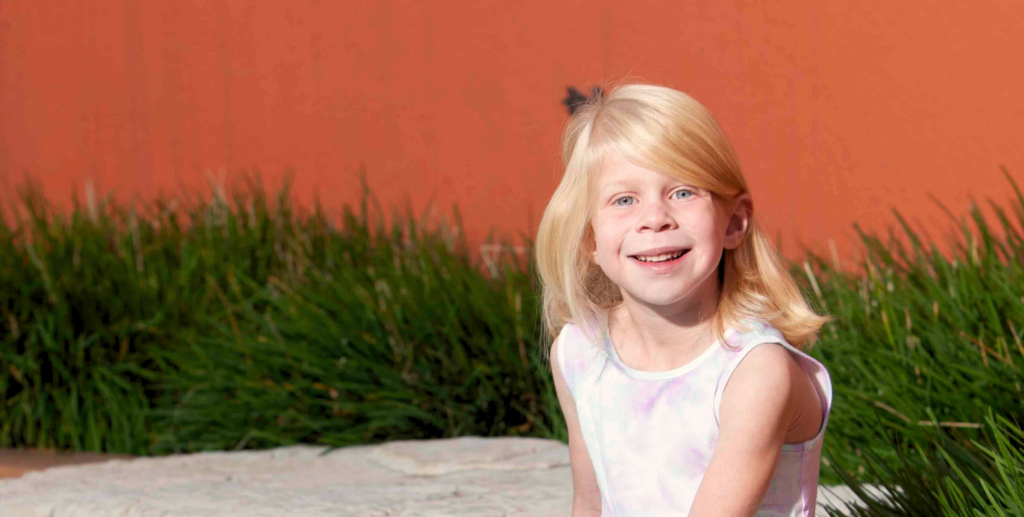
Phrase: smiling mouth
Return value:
(665, 257)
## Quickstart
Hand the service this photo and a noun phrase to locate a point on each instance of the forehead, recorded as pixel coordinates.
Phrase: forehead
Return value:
(616, 171)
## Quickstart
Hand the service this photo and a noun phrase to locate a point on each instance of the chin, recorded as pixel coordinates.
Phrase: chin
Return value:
(660, 301)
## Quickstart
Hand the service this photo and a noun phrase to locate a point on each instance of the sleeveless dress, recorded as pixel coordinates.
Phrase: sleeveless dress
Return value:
(650, 435)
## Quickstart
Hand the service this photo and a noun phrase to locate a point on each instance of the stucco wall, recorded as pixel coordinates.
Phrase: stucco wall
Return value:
(838, 110)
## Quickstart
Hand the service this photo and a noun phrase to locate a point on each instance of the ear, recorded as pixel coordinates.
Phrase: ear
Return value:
(741, 210)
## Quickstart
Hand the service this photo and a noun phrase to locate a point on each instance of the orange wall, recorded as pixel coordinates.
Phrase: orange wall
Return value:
(838, 110)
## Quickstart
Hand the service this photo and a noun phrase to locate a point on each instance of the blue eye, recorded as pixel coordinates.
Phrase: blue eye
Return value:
(621, 198)
(684, 190)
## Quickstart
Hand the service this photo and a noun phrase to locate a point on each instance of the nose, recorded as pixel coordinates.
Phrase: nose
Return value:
(656, 216)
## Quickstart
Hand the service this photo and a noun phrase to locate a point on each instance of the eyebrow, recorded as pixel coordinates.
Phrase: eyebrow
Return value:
(617, 184)
(628, 182)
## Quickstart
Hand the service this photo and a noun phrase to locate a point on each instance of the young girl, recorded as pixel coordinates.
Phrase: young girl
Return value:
(677, 328)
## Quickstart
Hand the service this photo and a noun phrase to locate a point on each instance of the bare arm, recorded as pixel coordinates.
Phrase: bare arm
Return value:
(586, 497)
(756, 411)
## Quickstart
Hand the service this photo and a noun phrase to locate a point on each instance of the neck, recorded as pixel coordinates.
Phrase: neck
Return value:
(666, 332)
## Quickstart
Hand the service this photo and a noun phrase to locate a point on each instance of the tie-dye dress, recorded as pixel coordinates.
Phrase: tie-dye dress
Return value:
(650, 435)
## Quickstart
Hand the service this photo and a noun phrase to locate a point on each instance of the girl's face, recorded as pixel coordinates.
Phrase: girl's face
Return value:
(644, 220)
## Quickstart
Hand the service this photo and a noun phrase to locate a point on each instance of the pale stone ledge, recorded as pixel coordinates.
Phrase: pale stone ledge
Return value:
(467, 476)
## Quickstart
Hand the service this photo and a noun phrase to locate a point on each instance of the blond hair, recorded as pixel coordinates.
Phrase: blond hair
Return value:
(661, 129)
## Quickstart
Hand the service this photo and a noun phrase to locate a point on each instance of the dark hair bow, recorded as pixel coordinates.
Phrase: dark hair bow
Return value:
(575, 98)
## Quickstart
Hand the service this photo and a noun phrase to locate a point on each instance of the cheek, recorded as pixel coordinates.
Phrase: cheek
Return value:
(605, 247)
(603, 237)
(710, 229)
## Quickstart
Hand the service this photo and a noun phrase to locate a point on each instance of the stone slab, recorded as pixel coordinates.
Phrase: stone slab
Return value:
(466, 476)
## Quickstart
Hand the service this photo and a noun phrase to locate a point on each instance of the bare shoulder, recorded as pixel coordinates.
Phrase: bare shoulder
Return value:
(768, 366)
(761, 387)
(770, 382)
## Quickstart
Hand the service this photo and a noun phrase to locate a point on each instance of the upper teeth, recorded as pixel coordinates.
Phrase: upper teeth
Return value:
(660, 258)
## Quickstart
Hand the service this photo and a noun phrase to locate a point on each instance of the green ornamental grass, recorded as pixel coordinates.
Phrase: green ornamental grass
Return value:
(221, 326)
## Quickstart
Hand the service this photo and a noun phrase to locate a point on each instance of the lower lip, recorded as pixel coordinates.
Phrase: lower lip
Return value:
(659, 267)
